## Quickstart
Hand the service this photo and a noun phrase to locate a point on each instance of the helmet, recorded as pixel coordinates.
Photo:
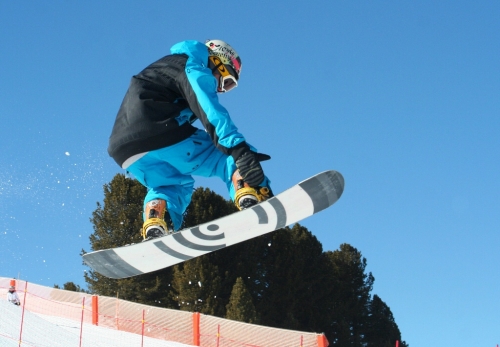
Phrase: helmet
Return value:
(226, 54)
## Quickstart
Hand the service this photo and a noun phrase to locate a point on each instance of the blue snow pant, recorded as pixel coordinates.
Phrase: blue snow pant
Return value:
(167, 172)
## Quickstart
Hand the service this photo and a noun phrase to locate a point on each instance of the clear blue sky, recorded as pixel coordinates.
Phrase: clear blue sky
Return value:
(401, 97)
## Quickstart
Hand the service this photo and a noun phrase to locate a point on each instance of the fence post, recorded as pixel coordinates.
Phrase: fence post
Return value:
(22, 317)
(218, 334)
(322, 341)
(143, 321)
(117, 312)
(81, 323)
(95, 310)
(196, 328)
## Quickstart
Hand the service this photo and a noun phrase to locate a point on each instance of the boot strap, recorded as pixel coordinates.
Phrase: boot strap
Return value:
(153, 221)
(261, 193)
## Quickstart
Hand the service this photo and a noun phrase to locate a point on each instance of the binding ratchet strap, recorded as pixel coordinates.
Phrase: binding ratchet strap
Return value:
(153, 222)
(258, 194)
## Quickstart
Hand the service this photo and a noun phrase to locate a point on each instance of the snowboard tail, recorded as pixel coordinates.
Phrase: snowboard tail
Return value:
(301, 201)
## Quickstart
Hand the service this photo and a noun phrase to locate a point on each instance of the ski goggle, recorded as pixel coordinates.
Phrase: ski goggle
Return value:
(226, 81)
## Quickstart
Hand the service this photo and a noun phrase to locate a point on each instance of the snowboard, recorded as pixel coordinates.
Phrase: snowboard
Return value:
(293, 205)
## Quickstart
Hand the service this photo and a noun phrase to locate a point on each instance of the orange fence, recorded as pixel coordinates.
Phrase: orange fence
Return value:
(141, 321)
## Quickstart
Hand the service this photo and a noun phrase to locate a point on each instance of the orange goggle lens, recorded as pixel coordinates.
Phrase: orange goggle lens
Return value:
(227, 81)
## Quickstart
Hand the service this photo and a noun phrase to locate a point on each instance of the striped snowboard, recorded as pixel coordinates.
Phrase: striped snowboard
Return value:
(291, 206)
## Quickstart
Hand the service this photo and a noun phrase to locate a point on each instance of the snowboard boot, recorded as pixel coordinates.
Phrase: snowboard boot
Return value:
(247, 196)
(155, 224)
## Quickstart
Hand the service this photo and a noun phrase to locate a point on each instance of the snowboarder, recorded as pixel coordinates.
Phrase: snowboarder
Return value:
(153, 137)
(12, 296)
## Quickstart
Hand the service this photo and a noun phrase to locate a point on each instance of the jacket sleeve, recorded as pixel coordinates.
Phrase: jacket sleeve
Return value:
(199, 88)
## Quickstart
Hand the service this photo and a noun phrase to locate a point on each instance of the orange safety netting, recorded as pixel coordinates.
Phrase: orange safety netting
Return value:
(152, 322)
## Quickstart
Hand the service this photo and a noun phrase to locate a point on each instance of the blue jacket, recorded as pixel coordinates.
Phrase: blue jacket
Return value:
(165, 98)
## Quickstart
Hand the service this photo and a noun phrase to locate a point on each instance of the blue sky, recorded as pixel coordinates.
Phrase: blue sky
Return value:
(401, 97)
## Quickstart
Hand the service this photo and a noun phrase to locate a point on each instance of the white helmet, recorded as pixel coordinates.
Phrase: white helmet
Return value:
(226, 54)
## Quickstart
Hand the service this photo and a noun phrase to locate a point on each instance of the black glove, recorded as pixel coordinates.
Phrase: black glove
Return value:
(250, 169)
(248, 164)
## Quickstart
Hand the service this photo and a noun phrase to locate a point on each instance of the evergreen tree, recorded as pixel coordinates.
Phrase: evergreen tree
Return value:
(284, 278)
(290, 280)
(196, 285)
(206, 206)
(116, 223)
(240, 260)
(71, 287)
(240, 307)
(350, 297)
(381, 329)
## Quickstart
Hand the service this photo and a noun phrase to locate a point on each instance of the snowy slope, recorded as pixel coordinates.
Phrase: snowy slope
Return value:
(48, 331)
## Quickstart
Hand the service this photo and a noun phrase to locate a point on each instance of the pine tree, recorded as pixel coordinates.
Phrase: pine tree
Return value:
(197, 283)
(116, 223)
(240, 306)
(206, 206)
(71, 286)
(283, 277)
(381, 329)
(119, 220)
(350, 297)
(288, 284)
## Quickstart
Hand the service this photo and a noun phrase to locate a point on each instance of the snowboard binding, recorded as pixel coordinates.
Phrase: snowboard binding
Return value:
(155, 225)
(247, 196)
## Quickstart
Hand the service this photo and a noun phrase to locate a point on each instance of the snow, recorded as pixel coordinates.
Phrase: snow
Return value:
(49, 331)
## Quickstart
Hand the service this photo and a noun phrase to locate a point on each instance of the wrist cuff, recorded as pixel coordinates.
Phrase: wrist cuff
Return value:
(238, 150)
